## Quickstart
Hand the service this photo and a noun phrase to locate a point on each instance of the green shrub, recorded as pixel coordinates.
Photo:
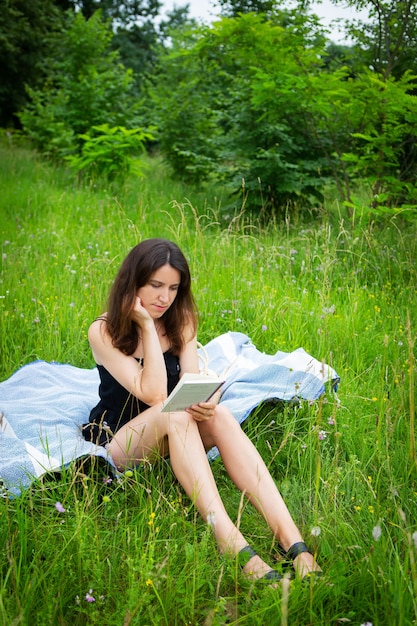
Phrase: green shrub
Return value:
(110, 152)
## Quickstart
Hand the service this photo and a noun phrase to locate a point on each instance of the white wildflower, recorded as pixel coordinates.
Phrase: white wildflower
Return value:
(376, 532)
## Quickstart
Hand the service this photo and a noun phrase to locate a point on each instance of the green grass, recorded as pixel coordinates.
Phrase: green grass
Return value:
(346, 292)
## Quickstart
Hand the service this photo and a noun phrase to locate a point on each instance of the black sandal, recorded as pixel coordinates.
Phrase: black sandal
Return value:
(291, 554)
(245, 555)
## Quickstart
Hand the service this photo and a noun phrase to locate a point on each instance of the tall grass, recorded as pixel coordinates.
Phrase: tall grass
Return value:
(345, 292)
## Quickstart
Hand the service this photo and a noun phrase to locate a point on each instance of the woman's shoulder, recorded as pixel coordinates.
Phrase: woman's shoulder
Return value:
(99, 322)
(98, 328)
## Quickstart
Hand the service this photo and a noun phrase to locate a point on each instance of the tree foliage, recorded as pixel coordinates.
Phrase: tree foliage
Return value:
(234, 8)
(110, 152)
(260, 98)
(387, 40)
(257, 100)
(26, 42)
(124, 14)
(30, 35)
(87, 87)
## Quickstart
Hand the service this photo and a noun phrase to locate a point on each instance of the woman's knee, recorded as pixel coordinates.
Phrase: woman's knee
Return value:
(222, 422)
(179, 421)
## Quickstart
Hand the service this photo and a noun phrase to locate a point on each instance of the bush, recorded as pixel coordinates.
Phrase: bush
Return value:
(87, 87)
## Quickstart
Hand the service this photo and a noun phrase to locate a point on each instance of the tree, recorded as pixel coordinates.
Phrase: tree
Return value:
(87, 86)
(387, 149)
(213, 117)
(387, 40)
(233, 8)
(255, 100)
(26, 41)
(122, 14)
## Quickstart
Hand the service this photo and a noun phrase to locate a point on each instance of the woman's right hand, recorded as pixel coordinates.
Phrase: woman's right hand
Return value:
(139, 314)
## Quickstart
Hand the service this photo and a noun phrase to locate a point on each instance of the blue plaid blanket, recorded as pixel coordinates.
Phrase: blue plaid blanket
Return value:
(42, 405)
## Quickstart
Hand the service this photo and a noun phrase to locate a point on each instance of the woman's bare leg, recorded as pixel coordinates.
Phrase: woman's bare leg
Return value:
(178, 433)
(249, 473)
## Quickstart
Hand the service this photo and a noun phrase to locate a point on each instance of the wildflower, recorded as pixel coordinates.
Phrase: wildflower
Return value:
(128, 473)
(376, 532)
(367, 624)
(106, 499)
(414, 537)
(107, 480)
(264, 327)
(89, 597)
(315, 531)
(331, 421)
(322, 435)
(149, 583)
(358, 508)
(371, 509)
(151, 519)
(59, 507)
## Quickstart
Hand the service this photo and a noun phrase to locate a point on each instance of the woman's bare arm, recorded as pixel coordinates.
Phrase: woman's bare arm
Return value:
(148, 382)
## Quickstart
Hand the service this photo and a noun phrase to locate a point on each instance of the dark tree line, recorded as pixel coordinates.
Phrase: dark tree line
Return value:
(30, 34)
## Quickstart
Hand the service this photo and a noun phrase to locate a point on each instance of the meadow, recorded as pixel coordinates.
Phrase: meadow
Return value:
(133, 551)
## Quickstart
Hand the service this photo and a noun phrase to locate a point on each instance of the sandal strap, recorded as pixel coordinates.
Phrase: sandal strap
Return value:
(294, 550)
(245, 555)
(272, 575)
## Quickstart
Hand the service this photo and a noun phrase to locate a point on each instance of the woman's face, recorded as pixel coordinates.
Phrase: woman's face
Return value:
(160, 291)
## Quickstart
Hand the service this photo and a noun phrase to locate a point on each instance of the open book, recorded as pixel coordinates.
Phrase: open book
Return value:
(191, 389)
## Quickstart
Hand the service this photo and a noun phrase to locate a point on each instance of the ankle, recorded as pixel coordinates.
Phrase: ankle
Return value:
(305, 563)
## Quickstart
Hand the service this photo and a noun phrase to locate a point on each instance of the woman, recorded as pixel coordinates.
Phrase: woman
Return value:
(142, 346)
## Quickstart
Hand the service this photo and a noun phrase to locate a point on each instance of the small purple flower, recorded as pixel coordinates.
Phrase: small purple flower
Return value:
(59, 507)
(264, 327)
(89, 597)
(107, 480)
(331, 421)
(322, 435)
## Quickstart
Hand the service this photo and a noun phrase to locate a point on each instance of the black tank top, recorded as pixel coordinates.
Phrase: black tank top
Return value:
(117, 406)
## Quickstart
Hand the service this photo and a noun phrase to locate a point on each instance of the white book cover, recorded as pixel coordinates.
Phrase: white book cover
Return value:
(191, 389)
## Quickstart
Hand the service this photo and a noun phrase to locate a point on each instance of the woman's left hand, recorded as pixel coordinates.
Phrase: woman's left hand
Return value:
(203, 411)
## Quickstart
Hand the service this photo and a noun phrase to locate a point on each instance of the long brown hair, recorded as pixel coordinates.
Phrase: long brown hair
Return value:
(135, 272)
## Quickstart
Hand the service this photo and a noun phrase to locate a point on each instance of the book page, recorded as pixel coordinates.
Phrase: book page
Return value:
(191, 390)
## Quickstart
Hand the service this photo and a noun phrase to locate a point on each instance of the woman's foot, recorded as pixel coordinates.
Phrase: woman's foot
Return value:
(302, 559)
(305, 564)
(255, 568)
